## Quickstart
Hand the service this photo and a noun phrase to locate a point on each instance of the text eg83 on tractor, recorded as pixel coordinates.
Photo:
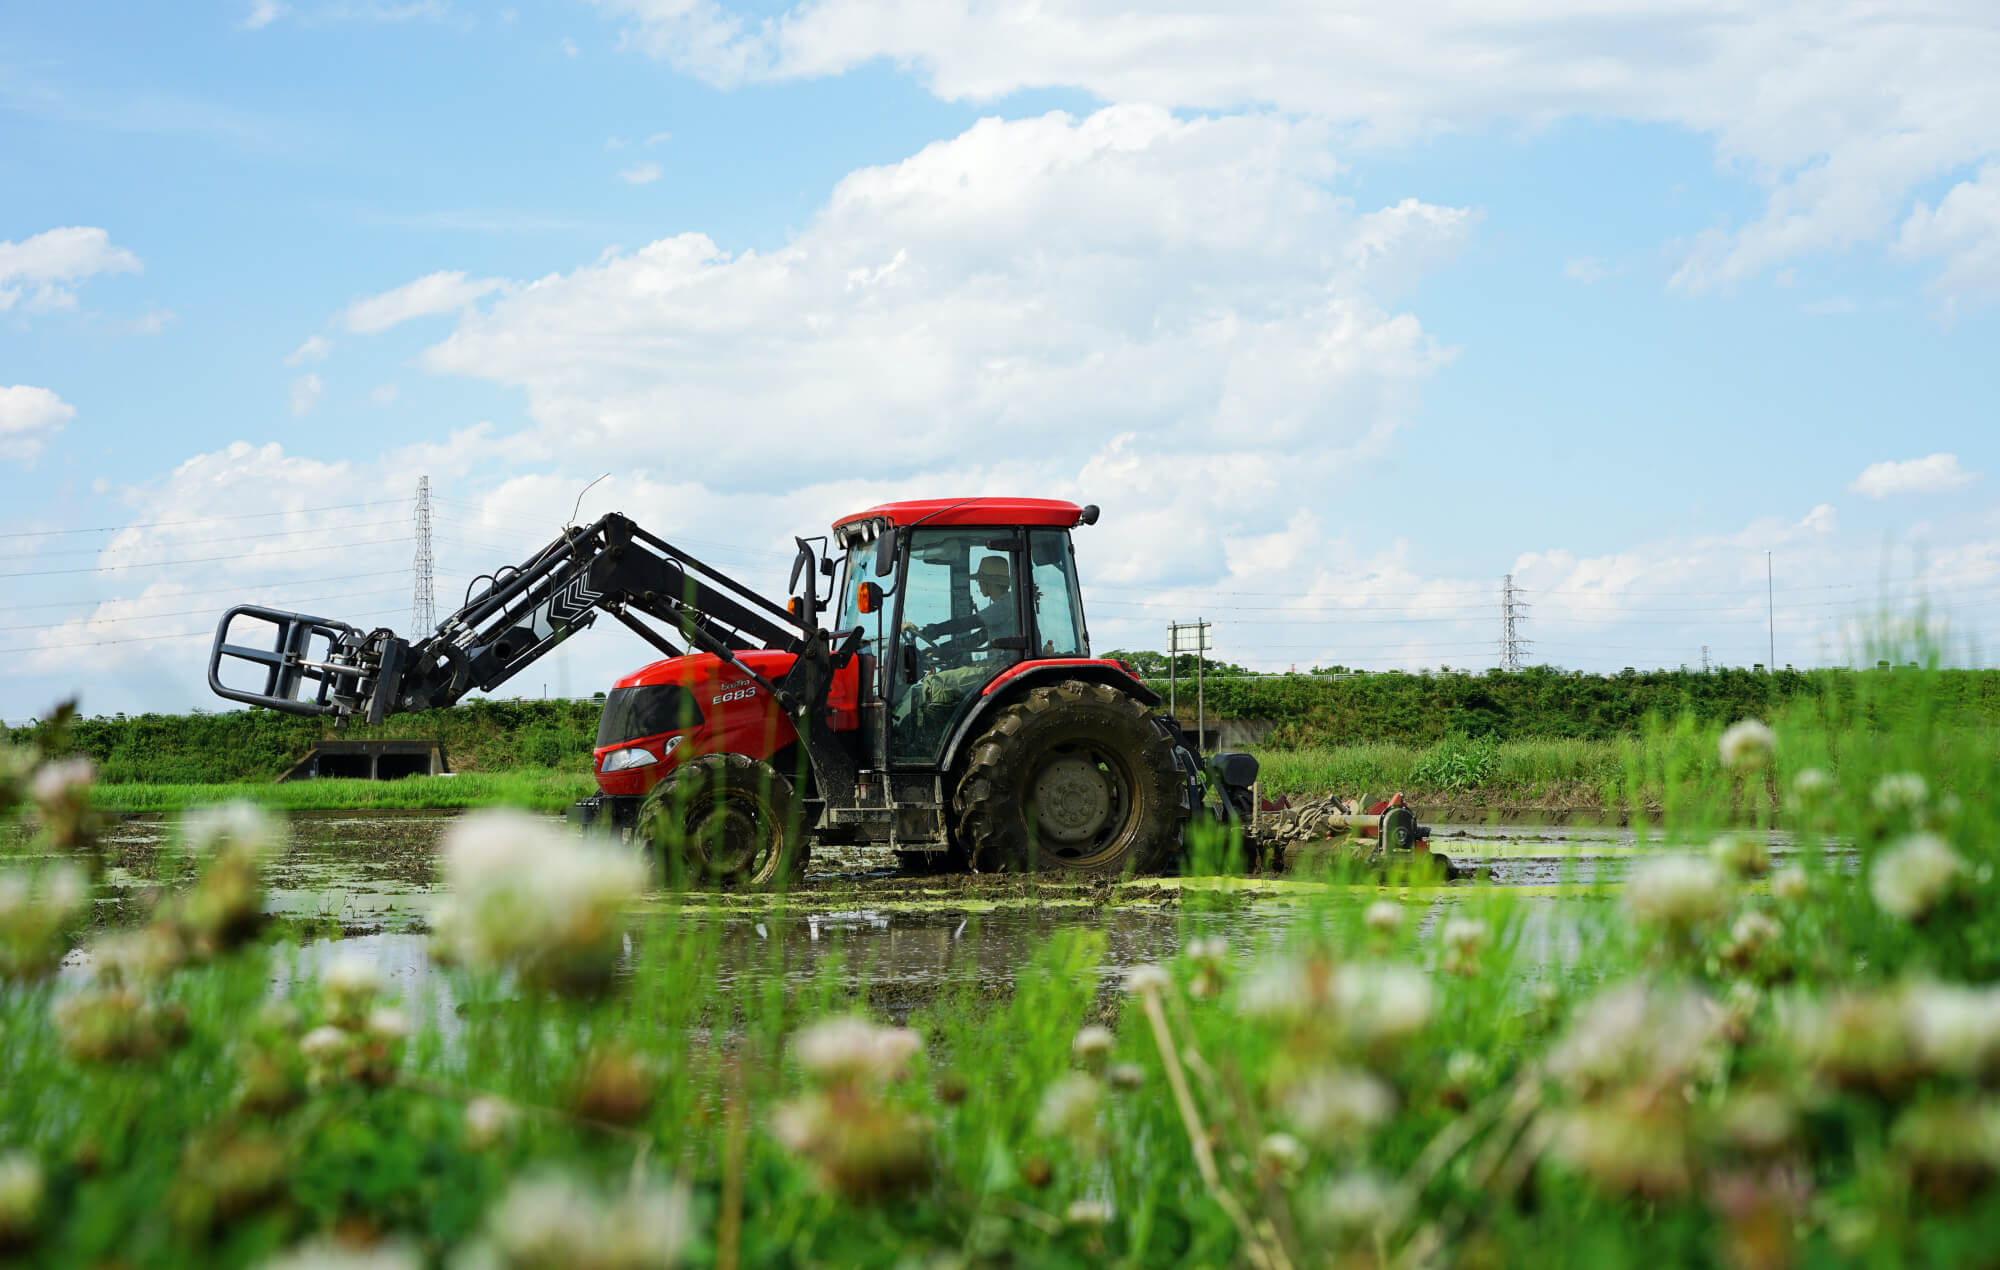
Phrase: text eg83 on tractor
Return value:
(940, 698)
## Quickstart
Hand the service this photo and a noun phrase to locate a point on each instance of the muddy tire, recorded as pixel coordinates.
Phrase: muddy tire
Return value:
(1074, 777)
(723, 820)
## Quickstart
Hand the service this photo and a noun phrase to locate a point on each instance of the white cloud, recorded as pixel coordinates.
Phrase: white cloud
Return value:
(314, 349)
(29, 416)
(1028, 288)
(569, 47)
(385, 394)
(306, 391)
(1964, 230)
(428, 296)
(1933, 474)
(1586, 269)
(1838, 108)
(44, 267)
(262, 14)
(659, 138)
(640, 174)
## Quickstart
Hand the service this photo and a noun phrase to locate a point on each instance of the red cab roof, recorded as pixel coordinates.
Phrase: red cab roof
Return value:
(972, 511)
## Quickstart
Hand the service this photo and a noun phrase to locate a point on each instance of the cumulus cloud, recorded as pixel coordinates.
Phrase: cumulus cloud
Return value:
(1839, 108)
(29, 416)
(45, 267)
(1964, 231)
(315, 349)
(1028, 288)
(640, 174)
(1933, 474)
(262, 14)
(306, 391)
(429, 296)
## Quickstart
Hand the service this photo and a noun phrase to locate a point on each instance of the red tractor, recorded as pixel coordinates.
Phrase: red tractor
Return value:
(951, 710)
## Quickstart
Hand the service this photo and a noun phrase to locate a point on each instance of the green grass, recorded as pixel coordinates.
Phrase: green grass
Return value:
(537, 789)
(1495, 1143)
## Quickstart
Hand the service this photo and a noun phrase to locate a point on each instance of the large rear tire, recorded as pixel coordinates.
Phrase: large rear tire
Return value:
(723, 820)
(1072, 777)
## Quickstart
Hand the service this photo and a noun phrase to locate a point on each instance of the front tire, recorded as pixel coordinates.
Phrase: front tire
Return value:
(1072, 777)
(723, 820)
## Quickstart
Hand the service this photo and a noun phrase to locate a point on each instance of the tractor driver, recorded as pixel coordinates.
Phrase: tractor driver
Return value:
(997, 619)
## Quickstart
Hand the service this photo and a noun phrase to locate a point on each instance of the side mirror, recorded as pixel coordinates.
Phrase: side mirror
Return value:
(885, 553)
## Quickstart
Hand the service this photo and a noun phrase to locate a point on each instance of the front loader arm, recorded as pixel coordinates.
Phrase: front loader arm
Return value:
(316, 666)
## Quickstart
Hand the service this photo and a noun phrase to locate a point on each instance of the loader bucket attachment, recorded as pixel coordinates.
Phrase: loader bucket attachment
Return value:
(307, 663)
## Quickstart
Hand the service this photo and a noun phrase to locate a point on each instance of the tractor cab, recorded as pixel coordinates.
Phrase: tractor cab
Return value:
(952, 597)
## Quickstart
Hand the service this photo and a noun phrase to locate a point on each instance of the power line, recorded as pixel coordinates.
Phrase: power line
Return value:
(203, 542)
(149, 617)
(162, 564)
(188, 595)
(140, 639)
(199, 520)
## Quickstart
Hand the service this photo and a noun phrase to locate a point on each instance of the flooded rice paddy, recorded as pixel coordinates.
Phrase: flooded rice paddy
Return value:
(368, 883)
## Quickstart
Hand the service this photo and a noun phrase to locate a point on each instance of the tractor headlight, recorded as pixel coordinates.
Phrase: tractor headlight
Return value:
(626, 760)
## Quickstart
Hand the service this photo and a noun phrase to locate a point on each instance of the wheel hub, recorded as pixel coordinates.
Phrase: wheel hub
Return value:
(1072, 799)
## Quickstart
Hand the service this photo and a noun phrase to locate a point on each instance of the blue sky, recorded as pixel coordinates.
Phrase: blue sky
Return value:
(1338, 329)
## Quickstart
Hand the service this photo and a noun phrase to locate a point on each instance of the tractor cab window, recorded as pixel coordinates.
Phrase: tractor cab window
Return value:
(1058, 603)
(960, 625)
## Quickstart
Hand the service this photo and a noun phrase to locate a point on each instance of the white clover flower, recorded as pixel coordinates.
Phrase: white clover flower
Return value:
(1069, 1108)
(1752, 930)
(327, 1255)
(386, 1023)
(1383, 917)
(1633, 1143)
(1382, 1003)
(487, 1120)
(138, 956)
(530, 897)
(1282, 1153)
(323, 1042)
(1741, 855)
(1790, 885)
(1351, 1204)
(1634, 1031)
(1811, 784)
(1282, 990)
(1465, 1068)
(21, 1191)
(1747, 744)
(1339, 1107)
(1214, 948)
(1092, 1044)
(1088, 1212)
(1900, 791)
(1956, 1028)
(351, 977)
(851, 1048)
(1912, 877)
(1140, 980)
(64, 782)
(1677, 891)
(233, 826)
(551, 1220)
(1125, 1075)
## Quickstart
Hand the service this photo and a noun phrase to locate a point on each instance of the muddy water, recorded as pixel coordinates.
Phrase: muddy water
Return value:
(367, 882)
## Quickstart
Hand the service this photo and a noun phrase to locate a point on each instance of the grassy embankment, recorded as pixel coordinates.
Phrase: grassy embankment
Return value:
(1717, 1070)
(1523, 744)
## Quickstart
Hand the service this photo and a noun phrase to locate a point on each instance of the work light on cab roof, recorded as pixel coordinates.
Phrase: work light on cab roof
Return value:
(928, 685)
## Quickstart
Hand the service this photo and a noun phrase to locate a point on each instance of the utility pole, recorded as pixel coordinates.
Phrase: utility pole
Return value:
(1704, 659)
(1770, 614)
(423, 601)
(1190, 637)
(1513, 610)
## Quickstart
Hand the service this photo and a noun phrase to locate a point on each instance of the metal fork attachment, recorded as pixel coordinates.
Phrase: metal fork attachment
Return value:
(294, 682)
